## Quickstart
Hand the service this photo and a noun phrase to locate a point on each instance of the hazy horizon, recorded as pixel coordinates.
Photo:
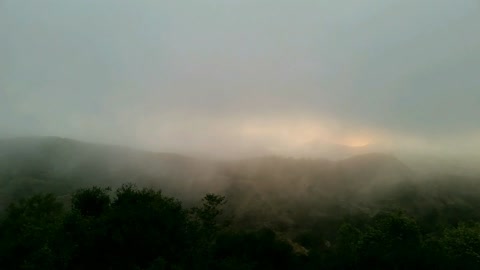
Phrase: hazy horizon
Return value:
(244, 77)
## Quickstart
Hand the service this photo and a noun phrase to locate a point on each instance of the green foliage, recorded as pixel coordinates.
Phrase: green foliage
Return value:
(208, 213)
(137, 228)
(348, 244)
(91, 202)
(152, 223)
(389, 240)
(392, 240)
(28, 233)
(457, 247)
(261, 249)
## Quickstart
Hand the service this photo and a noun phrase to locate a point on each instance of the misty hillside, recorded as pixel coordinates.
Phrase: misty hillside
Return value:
(315, 212)
(261, 190)
(51, 164)
(40, 161)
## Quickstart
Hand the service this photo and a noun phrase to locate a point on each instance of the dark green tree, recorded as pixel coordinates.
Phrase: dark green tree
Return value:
(393, 240)
(28, 234)
(92, 201)
(457, 247)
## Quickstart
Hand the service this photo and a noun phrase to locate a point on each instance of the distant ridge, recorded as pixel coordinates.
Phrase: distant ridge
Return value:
(60, 165)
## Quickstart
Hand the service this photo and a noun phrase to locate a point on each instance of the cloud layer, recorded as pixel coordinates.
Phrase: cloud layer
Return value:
(241, 76)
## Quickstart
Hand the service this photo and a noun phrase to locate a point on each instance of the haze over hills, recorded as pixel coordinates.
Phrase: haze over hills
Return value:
(303, 206)
(270, 187)
(35, 161)
(334, 151)
(343, 134)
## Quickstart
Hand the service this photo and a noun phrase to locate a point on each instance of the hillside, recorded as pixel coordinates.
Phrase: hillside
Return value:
(320, 212)
(273, 186)
(281, 192)
(58, 165)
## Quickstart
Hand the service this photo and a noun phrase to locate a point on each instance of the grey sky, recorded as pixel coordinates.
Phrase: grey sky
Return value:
(199, 75)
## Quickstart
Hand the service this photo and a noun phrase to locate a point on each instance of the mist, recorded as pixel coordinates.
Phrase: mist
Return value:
(239, 134)
(244, 78)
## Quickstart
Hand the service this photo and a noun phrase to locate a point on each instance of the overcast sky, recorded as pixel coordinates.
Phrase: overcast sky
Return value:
(234, 75)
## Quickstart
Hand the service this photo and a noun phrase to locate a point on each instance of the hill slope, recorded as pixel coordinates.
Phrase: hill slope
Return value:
(279, 191)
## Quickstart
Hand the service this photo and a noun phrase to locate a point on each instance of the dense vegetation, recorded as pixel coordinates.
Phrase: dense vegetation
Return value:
(134, 228)
(369, 211)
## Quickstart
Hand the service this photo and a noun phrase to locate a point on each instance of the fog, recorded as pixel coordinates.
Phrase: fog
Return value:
(239, 134)
(244, 78)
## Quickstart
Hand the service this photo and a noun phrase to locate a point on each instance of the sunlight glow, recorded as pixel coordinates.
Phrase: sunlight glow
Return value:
(286, 134)
(356, 142)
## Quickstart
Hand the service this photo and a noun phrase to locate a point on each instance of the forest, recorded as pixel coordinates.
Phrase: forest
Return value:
(73, 205)
(132, 228)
